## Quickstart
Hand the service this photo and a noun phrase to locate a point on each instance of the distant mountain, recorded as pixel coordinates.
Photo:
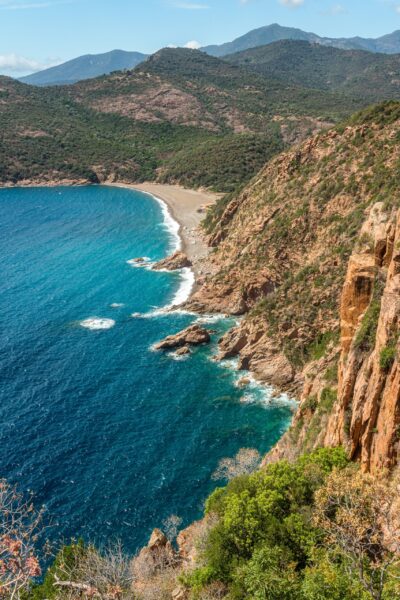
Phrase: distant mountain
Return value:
(387, 44)
(191, 88)
(356, 73)
(182, 116)
(86, 67)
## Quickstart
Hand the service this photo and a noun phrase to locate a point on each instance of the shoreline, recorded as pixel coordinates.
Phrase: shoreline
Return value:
(185, 206)
(188, 209)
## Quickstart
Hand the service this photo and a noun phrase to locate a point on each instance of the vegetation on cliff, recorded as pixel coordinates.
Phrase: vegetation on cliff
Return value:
(283, 243)
(312, 529)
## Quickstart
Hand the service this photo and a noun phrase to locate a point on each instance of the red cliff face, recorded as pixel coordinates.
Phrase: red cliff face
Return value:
(310, 258)
(366, 417)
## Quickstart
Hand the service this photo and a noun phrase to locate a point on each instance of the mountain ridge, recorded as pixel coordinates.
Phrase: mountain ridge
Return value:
(85, 67)
(356, 72)
(94, 65)
(389, 43)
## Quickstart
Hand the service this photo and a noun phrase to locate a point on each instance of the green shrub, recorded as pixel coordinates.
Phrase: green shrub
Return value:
(64, 562)
(327, 579)
(365, 338)
(319, 347)
(387, 357)
(268, 509)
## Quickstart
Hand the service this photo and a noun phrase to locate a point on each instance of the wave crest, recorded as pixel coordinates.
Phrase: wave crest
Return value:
(97, 324)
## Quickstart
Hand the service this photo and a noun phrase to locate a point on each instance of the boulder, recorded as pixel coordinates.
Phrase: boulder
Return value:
(192, 336)
(183, 351)
(176, 261)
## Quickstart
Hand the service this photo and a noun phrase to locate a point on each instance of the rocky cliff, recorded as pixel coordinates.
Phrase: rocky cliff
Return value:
(309, 254)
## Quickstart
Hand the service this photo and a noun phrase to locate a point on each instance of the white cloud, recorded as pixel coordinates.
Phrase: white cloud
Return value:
(13, 63)
(292, 3)
(193, 45)
(398, 9)
(191, 5)
(336, 9)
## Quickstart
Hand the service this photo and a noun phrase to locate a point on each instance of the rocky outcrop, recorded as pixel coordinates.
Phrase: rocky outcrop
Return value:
(362, 410)
(367, 415)
(176, 261)
(155, 567)
(183, 351)
(257, 353)
(192, 336)
(309, 259)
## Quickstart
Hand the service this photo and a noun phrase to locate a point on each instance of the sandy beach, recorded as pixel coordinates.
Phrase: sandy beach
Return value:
(186, 208)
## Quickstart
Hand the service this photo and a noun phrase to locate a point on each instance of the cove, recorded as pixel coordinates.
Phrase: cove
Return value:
(112, 437)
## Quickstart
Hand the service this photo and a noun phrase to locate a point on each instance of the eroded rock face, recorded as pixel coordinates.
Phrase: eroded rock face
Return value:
(192, 336)
(183, 351)
(257, 353)
(366, 417)
(176, 261)
(154, 558)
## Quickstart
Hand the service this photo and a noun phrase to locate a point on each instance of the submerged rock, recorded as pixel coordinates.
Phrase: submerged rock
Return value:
(176, 261)
(192, 336)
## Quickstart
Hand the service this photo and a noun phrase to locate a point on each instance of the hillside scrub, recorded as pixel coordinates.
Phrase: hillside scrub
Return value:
(282, 243)
(311, 530)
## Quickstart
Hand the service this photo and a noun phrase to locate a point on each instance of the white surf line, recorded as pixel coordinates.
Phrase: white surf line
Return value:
(187, 275)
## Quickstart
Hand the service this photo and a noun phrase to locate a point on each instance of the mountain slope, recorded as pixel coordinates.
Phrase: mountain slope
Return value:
(47, 137)
(85, 67)
(353, 72)
(309, 250)
(189, 87)
(155, 121)
(389, 44)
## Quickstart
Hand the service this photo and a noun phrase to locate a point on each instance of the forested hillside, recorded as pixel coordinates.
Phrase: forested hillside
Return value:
(150, 123)
(356, 73)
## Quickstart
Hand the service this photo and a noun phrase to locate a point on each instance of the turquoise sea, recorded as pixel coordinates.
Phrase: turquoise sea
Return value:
(111, 436)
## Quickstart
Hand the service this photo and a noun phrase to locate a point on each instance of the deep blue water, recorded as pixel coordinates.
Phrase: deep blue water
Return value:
(111, 436)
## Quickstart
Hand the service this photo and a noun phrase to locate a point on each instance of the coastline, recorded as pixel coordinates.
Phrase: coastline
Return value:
(188, 209)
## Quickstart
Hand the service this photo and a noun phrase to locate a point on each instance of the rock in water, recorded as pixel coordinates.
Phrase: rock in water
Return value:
(176, 261)
(192, 336)
(184, 350)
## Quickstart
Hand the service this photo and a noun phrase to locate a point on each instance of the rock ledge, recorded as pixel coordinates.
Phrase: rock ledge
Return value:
(192, 336)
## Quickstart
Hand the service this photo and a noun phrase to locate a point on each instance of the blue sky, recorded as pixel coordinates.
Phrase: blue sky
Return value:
(37, 33)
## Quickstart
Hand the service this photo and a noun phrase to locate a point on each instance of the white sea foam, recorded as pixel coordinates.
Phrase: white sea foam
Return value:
(116, 305)
(211, 318)
(255, 392)
(182, 294)
(178, 357)
(185, 289)
(145, 263)
(186, 274)
(171, 225)
(96, 323)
